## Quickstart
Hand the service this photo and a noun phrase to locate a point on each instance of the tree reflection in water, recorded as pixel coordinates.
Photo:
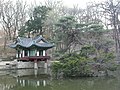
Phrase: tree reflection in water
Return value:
(40, 80)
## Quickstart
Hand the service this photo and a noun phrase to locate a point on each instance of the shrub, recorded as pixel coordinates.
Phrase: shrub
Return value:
(72, 65)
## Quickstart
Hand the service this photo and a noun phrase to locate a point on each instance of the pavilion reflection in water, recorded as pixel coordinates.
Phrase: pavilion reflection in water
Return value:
(44, 82)
(35, 83)
(24, 78)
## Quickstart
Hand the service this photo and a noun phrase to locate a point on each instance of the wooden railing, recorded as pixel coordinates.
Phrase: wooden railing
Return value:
(41, 58)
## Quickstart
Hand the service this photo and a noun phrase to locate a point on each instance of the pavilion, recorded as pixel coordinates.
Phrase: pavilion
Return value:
(32, 50)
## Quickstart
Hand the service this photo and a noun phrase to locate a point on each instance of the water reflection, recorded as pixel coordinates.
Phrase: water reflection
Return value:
(35, 83)
(31, 79)
(25, 72)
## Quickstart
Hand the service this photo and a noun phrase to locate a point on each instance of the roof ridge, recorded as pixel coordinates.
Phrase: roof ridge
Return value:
(28, 42)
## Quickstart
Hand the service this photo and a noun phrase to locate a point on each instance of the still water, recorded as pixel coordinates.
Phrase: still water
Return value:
(30, 79)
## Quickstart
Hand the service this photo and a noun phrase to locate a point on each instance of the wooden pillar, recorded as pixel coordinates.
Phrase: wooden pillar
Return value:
(28, 53)
(23, 53)
(17, 54)
(37, 53)
(20, 54)
(35, 64)
(43, 52)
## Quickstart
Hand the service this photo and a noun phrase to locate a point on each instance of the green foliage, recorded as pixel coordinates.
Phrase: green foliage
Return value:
(87, 50)
(76, 67)
(39, 17)
(66, 32)
(56, 66)
(36, 23)
(112, 66)
(108, 56)
(82, 64)
(66, 22)
(69, 33)
(73, 65)
(105, 57)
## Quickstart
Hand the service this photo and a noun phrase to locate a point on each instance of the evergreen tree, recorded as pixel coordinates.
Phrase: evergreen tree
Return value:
(34, 26)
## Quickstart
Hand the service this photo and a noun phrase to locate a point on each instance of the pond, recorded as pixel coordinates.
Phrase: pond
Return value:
(29, 79)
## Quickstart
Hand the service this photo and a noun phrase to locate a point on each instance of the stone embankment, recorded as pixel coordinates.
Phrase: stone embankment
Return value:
(7, 64)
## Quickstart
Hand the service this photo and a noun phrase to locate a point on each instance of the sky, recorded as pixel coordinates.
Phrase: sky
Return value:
(70, 3)
(81, 3)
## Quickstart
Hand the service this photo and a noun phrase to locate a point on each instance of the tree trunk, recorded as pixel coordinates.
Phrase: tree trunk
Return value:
(5, 42)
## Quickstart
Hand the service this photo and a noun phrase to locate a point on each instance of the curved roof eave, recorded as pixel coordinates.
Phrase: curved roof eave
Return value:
(29, 42)
(41, 46)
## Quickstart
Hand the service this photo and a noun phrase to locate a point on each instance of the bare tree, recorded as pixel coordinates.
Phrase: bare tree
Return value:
(13, 16)
(20, 16)
(111, 8)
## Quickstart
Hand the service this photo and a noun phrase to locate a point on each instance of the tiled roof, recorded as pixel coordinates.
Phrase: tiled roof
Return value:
(28, 42)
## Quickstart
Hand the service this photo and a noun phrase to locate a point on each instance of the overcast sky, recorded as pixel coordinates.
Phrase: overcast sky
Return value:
(81, 3)
(70, 3)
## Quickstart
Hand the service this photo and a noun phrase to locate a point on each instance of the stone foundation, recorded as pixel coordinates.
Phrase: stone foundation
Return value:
(25, 65)
(22, 65)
